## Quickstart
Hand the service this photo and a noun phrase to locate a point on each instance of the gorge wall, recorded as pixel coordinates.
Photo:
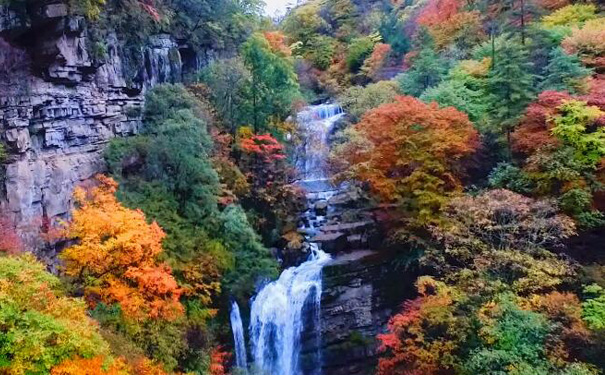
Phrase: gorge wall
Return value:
(59, 108)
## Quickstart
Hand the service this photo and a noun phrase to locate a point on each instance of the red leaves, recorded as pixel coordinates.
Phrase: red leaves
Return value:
(409, 146)
(277, 41)
(438, 11)
(534, 131)
(263, 146)
(218, 357)
(9, 240)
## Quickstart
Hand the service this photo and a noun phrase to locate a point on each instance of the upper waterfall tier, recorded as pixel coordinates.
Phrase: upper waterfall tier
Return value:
(315, 123)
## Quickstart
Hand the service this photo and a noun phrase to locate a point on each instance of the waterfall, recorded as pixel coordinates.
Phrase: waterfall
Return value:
(316, 123)
(238, 338)
(277, 316)
(287, 310)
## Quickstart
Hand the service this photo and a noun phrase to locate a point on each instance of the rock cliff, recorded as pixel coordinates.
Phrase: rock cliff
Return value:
(59, 108)
(362, 290)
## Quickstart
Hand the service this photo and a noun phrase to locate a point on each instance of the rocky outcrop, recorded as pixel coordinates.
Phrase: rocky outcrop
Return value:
(361, 291)
(58, 114)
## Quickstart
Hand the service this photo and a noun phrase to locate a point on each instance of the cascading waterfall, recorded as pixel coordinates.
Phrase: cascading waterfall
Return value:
(288, 308)
(237, 327)
(276, 318)
(316, 122)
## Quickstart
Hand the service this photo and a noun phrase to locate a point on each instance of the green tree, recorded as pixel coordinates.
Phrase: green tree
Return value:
(427, 70)
(357, 100)
(227, 81)
(564, 72)
(39, 326)
(273, 84)
(359, 50)
(511, 85)
(167, 172)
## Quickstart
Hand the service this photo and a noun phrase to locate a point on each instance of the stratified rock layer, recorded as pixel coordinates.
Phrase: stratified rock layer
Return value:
(61, 108)
(361, 291)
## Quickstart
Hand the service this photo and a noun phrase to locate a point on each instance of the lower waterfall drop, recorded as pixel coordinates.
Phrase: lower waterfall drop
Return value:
(277, 313)
(241, 361)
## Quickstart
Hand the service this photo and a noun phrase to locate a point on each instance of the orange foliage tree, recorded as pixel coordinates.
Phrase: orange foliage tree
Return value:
(407, 348)
(408, 152)
(87, 366)
(277, 41)
(377, 60)
(99, 366)
(115, 257)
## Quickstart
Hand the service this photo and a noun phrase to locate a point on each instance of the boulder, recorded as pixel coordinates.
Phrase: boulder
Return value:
(331, 242)
(321, 208)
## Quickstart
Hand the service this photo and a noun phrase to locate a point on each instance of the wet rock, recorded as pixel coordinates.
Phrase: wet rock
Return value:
(331, 242)
(362, 290)
(321, 208)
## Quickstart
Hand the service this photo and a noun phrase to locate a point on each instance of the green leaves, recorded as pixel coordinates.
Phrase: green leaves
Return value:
(571, 127)
(594, 307)
(39, 326)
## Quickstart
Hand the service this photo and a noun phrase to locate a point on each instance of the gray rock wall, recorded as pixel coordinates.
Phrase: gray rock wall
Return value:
(362, 290)
(58, 113)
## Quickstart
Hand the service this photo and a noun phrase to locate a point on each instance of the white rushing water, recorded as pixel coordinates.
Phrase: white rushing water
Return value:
(316, 123)
(277, 316)
(241, 361)
(288, 308)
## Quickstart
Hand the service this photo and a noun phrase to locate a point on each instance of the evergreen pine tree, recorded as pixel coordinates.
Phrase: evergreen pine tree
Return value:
(511, 85)
(428, 68)
(563, 72)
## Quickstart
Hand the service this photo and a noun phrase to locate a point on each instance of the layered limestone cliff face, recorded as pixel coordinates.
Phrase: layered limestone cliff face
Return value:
(361, 291)
(59, 109)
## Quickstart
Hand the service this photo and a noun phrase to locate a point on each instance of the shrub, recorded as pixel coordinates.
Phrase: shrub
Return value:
(39, 326)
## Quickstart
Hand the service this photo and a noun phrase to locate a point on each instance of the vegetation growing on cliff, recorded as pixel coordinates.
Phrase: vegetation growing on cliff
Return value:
(477, 128)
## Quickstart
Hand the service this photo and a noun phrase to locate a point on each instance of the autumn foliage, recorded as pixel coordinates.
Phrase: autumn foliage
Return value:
(9, 239)
(410, 152)
(115, 257)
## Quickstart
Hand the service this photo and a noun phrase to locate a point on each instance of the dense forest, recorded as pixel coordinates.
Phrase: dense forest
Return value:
(475, 129)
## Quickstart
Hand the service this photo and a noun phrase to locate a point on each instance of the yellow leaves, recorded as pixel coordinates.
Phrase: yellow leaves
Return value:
(570, 15)
(115, 256)
(476, 68)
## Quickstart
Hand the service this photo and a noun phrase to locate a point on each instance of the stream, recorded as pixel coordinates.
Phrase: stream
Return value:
(287, 310)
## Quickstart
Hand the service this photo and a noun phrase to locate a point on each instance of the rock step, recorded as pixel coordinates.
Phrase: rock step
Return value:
(334, 242)
(349, 228)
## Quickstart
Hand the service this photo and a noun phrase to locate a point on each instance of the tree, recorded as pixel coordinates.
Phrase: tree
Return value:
(304, 23)
(10, 242)
(359, 49)
(40, 327)
(408, 152)
(273, 85)
(511, 86)
(501, 219)
(357, 100)
(594, 307)
(115, 259)
(563, 72)
(373, 65)
(588, 42)
(570, 15)
(408, 348)
(391, 30)
(227, 80)
(427, 70)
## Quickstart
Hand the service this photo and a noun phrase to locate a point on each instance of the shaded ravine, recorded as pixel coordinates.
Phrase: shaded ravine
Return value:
(287, 311)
